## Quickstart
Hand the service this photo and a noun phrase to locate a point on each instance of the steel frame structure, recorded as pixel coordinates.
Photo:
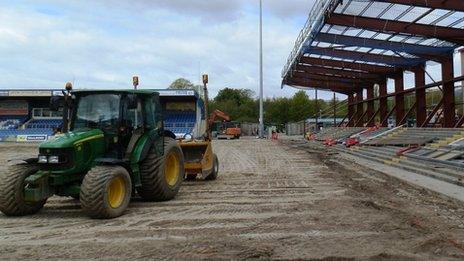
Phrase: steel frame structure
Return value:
(353, 46)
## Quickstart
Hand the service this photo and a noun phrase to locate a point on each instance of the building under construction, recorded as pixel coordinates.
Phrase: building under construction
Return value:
(368, 50)
(354, 47)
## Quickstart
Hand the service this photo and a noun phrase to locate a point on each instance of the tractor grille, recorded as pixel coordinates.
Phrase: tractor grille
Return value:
(65, 155)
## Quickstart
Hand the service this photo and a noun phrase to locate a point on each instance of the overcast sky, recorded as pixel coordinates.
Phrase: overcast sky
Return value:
(102, 43)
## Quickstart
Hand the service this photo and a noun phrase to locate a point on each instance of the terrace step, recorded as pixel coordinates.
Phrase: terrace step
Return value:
(403, 163)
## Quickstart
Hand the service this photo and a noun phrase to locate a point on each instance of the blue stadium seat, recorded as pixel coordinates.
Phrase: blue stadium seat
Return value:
(180, 122)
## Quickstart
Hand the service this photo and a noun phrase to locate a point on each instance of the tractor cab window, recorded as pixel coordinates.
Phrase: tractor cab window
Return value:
(150, 110)
(135, 116)
(98, 111)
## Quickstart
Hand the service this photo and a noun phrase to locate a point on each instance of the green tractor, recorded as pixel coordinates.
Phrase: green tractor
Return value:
(116, 145)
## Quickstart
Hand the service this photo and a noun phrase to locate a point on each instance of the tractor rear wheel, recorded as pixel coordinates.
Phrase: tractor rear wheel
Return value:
(106, 192)
(162, 176)
(213, 175)
(12, 184)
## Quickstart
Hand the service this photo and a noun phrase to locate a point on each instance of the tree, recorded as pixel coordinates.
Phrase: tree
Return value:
(239, 96)
(301, 107)
(182, 83)
(239, 104)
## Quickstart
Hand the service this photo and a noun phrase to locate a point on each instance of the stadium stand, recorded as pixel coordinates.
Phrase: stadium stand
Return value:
(180, 122)
(432, 152)
(11, 122)
(44, 123)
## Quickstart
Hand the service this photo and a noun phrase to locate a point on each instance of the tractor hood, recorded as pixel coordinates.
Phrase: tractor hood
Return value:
(70, 139)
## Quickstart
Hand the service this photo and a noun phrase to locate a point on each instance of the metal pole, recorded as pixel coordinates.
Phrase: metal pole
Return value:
(261, 113)
(317, 110)
(335, 110)
(205, 79)
(462, 83)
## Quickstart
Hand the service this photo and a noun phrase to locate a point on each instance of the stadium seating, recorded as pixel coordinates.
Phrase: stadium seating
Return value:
(180, 122)
(10, 126)
(11, 122)
(44, 123)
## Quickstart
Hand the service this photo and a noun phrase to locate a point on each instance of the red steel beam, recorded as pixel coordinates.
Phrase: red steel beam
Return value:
(445, 33)
(383, 101)
(332, 78)
(454, 5)
(411, 90)
(399, 98)
(338, 72)
(384, 121)
(460, 122)
(371, 121)
(421, 101)
(370, 106)
(368, 57)
(320, 85)
(427, 52)
(449, 107)
(351, 112)
(434, 111)
(350, 65)
(406, 115)
(360, 109)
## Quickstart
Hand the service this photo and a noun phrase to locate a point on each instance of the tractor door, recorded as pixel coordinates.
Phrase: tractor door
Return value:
(132, 124)
(154, 121)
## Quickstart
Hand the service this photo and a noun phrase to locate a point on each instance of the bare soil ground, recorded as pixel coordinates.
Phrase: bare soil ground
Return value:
(272, 200)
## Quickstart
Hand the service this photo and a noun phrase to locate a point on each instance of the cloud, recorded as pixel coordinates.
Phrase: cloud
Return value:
(286, 10)
(101, 44)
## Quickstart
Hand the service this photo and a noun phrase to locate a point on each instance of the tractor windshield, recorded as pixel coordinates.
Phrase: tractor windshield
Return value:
(98, 111)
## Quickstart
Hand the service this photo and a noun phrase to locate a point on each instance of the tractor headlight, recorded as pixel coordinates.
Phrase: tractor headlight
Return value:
(43, 159)
(53, 159)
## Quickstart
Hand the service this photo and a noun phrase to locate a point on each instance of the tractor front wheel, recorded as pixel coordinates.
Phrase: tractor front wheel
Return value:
(162, 176)
(213, 175)
(12, 184)
(106, 192)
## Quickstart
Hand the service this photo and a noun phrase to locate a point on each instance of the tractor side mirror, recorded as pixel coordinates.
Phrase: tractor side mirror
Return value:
(131, 102)
(56, 102)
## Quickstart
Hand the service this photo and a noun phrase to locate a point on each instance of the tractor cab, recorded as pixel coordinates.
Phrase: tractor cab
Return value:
(113, 144)
(121, 116)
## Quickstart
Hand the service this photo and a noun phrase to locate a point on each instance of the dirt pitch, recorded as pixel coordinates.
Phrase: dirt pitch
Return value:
(273, 200)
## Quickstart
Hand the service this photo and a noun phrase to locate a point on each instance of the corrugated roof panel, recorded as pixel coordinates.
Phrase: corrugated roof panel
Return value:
(433, 16)
(413, 14)
(451, 19)
(382, 36)
(394, 12)
(355, 7)
(352, 31)
(376, 9)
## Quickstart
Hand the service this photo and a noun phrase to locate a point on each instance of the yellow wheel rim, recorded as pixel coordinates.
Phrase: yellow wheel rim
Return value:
(116, 192)
(172, 168)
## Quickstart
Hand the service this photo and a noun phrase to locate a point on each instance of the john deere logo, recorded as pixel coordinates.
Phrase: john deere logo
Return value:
(48, 151)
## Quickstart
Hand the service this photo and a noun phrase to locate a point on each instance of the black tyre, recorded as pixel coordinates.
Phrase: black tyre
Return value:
(12, 186)
(162, 176)
(106, 192)
(191, 177)
(213, 175)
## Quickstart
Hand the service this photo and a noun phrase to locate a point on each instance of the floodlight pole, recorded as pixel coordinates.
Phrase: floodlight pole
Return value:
(462, 83)
(317, 110)
(261, 108)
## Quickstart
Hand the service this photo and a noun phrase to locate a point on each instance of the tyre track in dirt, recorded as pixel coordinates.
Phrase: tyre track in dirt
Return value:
(271, 200)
